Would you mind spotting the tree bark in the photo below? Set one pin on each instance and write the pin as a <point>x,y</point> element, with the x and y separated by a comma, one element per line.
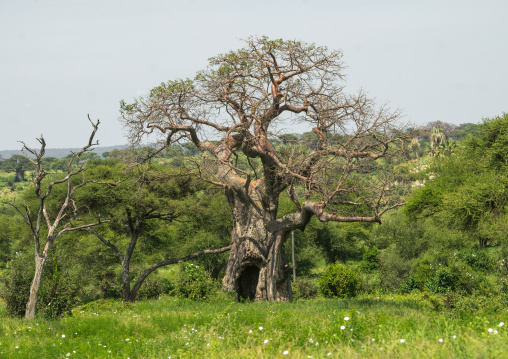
<point>40,261</point>
<point>258,268</point>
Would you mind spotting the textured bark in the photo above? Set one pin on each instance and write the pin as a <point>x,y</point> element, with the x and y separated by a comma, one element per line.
<point>258,268</point>
<point>40,261</point>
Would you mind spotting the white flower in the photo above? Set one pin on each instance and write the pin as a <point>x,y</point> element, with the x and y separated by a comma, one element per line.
<point>63,335</point>
<point>311,340</point>
<point>501,324</point>
<point>402,340</point>
<point>250,331</point>
<point>454,337</point>
<point>495,331</point>
<point>373,339</point>
<point>490,330</point>
<point>68,354</point>
<point>266,341</point>
<point>285,352</point>
<point>127,339</point>
<point>441,340</point>
<point>342,327</point>
<point>346,318</point>
<point>329,354</point>
<point>260,328</point>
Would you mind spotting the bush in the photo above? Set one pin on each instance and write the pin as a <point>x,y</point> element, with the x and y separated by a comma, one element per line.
<point>393,270</point>
<point>477,259</point>
<point>305,288</point>
<point>153,287</point>
<point>443,281</point>
<point>338,281</point>
<point>16,289</point>
<point>57,292</point>
<point>195,283</point>
<point>370,259</point>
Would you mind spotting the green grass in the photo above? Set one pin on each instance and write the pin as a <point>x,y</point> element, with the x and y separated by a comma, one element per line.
<point>177,328</point>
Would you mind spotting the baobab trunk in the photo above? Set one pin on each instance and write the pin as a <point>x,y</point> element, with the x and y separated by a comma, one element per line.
<point>258,268</point>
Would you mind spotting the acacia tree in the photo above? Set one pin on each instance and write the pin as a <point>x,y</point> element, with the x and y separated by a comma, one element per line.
<point>58,220</point>
<point>243,100</point>
<point>132,205</point>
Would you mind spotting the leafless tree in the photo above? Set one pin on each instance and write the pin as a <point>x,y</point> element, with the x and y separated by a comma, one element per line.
<point>67,214</point>
<point>243,100</point>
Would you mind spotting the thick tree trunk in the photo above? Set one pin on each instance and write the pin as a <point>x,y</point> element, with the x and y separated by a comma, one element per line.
<point>126,281</point>
<point>20,175</point>
<point>258,268</point>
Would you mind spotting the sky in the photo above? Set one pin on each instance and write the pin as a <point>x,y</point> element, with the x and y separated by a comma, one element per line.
<point>61,60</point>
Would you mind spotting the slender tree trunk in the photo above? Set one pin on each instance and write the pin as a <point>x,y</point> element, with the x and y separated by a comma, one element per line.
<point>258,268</point>
<point>293,254</point>
<point>40,261</point>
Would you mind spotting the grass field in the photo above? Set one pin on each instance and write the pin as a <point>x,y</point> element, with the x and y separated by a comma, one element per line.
<point>365,327</point>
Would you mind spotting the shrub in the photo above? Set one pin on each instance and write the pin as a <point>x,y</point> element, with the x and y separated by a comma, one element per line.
<point>477,259</point>
<point>393,270</point>
<point>339,281</point>
<point>195,283</point>
<point>57,292</point>
<point>305,288</point>
<point>154,286</point>
<point>370,259</point>
<point>443,281</point>
<point>17,282</point>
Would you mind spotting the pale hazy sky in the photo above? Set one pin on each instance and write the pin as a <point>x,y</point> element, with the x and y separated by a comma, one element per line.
<point>63,59</point>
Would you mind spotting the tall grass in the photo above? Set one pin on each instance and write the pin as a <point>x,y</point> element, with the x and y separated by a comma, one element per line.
<point>365,327</point>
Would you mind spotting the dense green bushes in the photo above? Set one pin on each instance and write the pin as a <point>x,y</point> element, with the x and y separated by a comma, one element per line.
<point>339,281</point>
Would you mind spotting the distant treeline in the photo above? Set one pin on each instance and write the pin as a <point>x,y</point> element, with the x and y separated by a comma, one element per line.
<point>62,152</point>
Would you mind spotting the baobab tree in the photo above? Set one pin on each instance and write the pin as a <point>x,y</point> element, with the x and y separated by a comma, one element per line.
<point>236,109</point>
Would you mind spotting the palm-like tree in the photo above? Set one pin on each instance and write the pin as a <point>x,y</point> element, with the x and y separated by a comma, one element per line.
<point>436,138</point>
<point>446,148</point>
<point>415,147</point>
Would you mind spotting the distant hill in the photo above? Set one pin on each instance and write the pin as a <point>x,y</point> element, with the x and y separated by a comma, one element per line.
<point>62,152</point>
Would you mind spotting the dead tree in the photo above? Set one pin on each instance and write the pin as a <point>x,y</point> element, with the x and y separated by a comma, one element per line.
<point>234,112</point>
<point>65,219</point>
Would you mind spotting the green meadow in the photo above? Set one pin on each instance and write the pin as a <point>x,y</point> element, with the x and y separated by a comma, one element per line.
<point>365,327</point>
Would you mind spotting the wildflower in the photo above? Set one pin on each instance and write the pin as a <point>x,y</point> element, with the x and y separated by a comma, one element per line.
<point>250,331</point>
<point>285,352</point>
<point>329,354</point>
<point>346,318</point>
<point>495,331</point>
<point>311,340</point>
<point>63,335</point>
<point>454,337</point>
<point>501,324</point>
<point>373,339</point>
<point>266,341</point>
<point>441,340</point>
<point>127,339</point>
<point>68,354</point>
<point>490,330</point>
<point>342,327</point>
<point>402,340</point>
<point>260,328</point>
